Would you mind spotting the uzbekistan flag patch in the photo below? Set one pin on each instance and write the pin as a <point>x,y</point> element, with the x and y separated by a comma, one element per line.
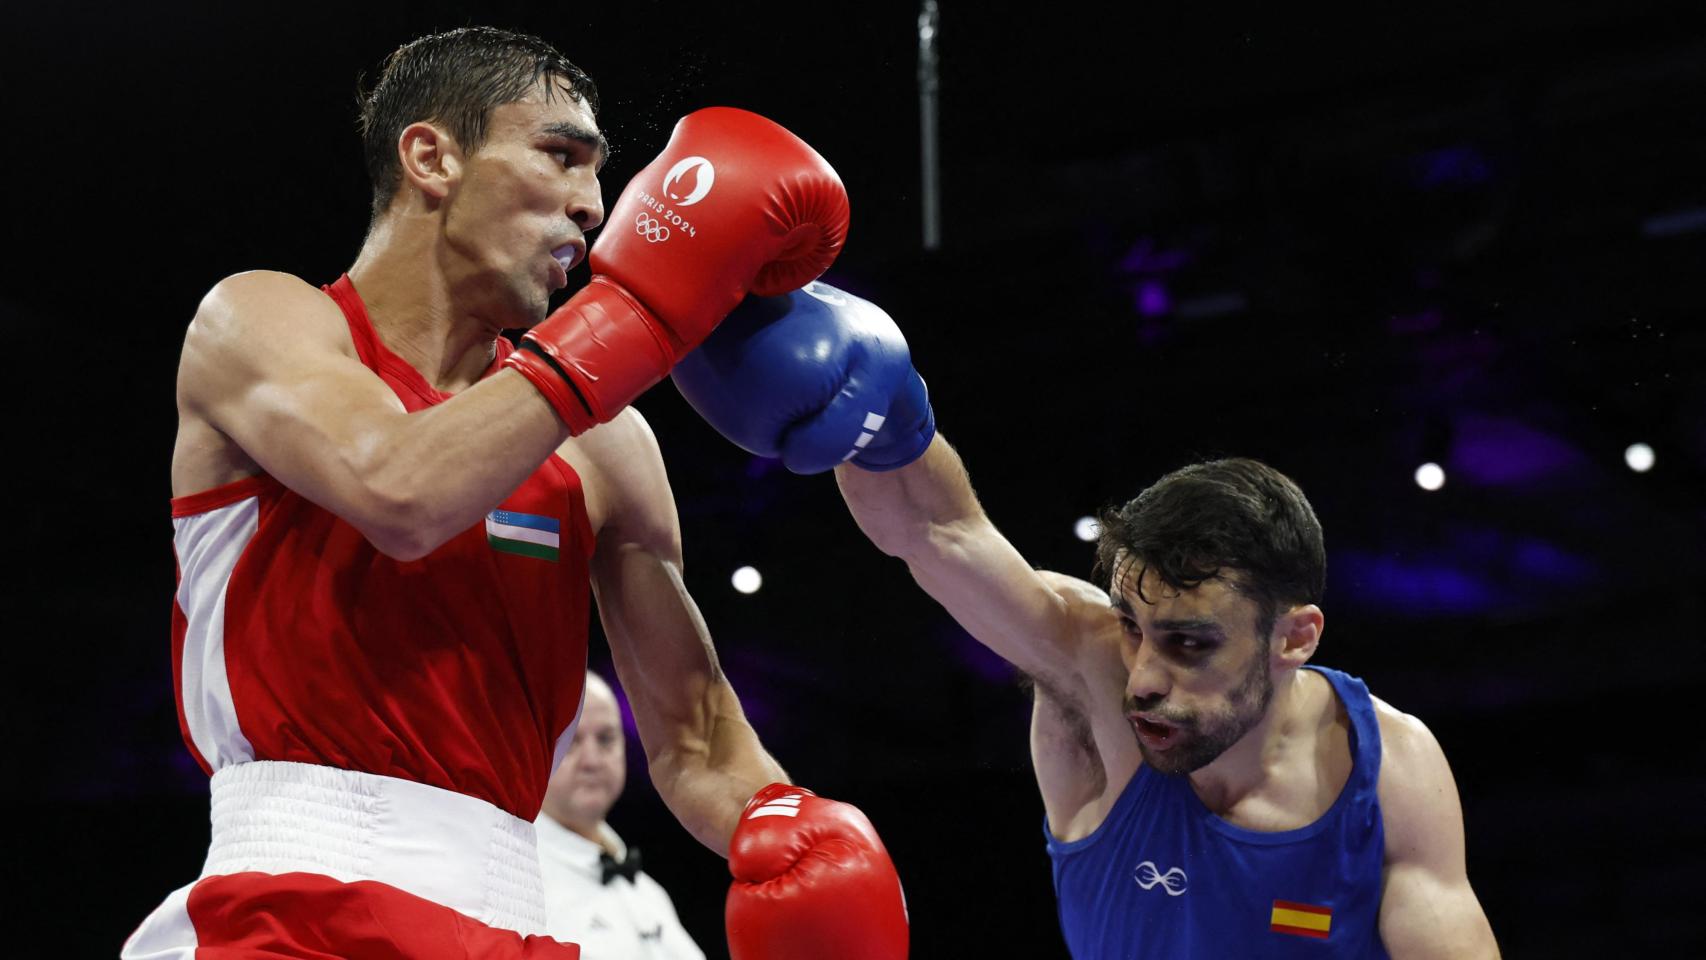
<point>523,534</point>
<point>1301,919</point>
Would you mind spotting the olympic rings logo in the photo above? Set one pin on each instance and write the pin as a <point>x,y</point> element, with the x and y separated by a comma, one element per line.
<point>653,231</point>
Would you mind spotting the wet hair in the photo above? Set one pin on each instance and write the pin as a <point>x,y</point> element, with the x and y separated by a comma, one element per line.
<point>455,79</point>
<point>1236,519</point>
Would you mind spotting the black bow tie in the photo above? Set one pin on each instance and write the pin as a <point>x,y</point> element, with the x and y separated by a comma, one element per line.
<point>611,868</point>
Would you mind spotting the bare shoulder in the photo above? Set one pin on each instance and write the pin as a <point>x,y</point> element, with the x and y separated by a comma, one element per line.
<point>1097,633</point>
<point>1079,594</point>
<point>623,479</point>
<point>251,330</point>
<point>1408,748</point>
<point>261,300</point>
<point>1091,618</point>
<point>250,317</point>
<point>1418,794</point>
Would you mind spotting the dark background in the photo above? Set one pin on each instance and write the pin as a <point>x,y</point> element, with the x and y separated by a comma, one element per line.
<point>1344,246</point>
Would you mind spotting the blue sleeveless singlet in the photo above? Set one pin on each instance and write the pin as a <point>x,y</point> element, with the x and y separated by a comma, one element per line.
<point>1164,877</point>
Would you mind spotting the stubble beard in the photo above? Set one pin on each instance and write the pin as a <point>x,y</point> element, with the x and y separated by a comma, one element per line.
<point>1201,740</point>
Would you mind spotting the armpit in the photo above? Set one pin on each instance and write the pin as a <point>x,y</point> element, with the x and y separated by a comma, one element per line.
<point>1061,735</point>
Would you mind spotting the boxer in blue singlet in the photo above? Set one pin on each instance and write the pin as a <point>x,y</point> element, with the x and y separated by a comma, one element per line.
<point>1207,792</point>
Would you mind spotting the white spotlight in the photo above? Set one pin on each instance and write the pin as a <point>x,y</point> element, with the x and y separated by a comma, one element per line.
<point>1430,476</point>
<point>747,580</point>
<point>1087,529</point>
<point>1639,457</point>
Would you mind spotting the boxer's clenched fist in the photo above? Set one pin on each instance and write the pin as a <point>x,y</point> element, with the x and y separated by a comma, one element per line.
<point>734,204</point>
<point>811,880</point>
<point>816,378</point>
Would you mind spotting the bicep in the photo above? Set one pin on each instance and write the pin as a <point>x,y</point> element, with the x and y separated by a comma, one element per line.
<point>1031,618</point>
<point>927,514</point>
<point>658,639</point>
<point>1426,913</point>
<point>1427,908</point>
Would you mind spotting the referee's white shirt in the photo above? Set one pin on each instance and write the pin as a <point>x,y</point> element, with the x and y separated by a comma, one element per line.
<point>618,920</point>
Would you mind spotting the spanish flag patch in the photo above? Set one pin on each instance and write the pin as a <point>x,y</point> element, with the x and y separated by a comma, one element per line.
<point>1301,919</point>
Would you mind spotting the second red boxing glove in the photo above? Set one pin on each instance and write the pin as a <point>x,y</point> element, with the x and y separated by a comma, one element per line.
<point>812,881</point>
<point>734,204</point>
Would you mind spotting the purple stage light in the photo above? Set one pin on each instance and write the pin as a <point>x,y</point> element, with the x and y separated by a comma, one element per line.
<point>1547,562</point>
<point>629,727</point>
<point>1456,166</point>
<point>1500,452</point>
<point>1151,299</point>
<point>1144,258</point>
<point>974,656</point>
<point>1677,223</point>
<point>1421,586</point>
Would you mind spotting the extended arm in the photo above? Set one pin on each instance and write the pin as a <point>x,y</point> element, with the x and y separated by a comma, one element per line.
<point>810,875</point>
<point>704,757</point>
<point>927,514</point>
<point>822,377</point>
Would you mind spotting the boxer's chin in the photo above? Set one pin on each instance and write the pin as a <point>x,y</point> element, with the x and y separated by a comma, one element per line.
<point>1178,751</point>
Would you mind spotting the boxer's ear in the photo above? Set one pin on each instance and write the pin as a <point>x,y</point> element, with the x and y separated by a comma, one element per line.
<point>430,158</point>
<point>1295,635</point>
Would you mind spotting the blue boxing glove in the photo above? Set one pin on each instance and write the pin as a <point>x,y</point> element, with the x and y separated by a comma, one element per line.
<point>815,377</point>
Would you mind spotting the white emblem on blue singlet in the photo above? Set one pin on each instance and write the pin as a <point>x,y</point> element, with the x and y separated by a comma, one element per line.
<point>1148,877</point>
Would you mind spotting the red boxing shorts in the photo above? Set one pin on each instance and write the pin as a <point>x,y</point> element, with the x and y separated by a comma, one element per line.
<point>314,862</point>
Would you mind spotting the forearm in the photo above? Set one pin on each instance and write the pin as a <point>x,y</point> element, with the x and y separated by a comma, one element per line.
<point>705,759</point>
<point>706,775</point>
<point>901,510</point>
<point>427,476</point>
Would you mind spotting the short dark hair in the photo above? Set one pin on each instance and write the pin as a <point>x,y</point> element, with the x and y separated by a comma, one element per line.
<point>455,78</point>
<point>1220,515</point>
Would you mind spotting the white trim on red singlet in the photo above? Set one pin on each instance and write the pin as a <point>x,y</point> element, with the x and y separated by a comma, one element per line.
<point>208,547</point>
<point>568,735</point>
<point>167,934</point>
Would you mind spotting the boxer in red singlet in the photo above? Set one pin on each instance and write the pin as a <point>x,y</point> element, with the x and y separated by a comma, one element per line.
<point>387,519</point>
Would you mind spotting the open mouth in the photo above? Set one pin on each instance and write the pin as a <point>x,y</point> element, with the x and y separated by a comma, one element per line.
<point>567,256</point>
<point>563,259</point>
<point>1154,734</point>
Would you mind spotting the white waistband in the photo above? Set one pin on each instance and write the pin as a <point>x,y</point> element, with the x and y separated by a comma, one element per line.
<point>460,851</point>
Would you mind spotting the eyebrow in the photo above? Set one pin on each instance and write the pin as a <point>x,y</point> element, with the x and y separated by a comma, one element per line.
<point>579,134</point>
<point>1188,626</point>
<point>1197,625</point>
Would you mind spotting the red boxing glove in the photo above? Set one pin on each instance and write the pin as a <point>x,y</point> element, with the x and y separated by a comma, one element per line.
<point>734,204</point>
<point>811,882</point>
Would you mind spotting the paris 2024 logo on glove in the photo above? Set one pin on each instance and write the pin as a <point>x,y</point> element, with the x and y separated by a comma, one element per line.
<point>696,171</point>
